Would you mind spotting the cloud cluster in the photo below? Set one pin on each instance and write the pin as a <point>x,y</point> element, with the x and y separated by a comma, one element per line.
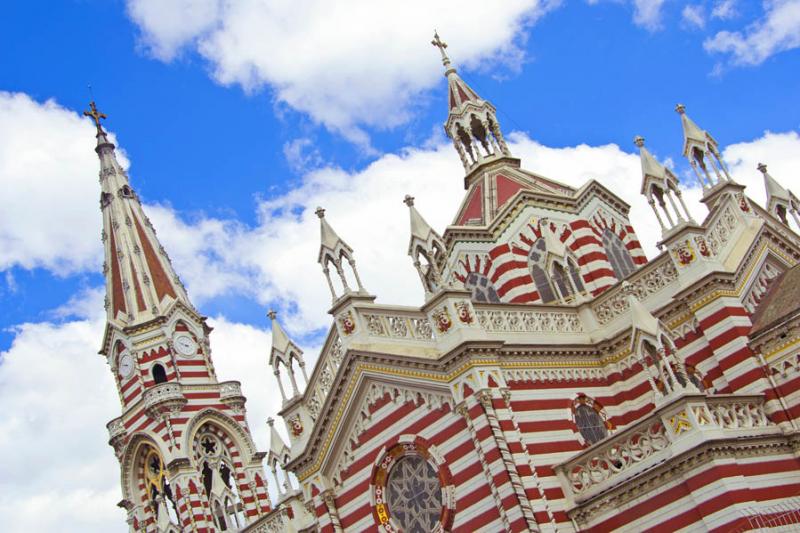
<point>346,64</point>
<point>47,165</point>
<point>777,31</point>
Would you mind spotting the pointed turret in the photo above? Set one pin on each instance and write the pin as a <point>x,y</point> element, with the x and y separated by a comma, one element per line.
<point>472,121</point>
<point>140,281</point>
<point>702,150</point>
<point>660,185</point>
<point>333,250</point>
<point>283,353</point>
<point>780,201</point>
<point>426,248</point>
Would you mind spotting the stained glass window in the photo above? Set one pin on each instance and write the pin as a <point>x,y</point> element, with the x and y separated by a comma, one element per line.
<point>481,288</point>
<point>414,495</point>
<point>618,255</point>
<point>590,423</point>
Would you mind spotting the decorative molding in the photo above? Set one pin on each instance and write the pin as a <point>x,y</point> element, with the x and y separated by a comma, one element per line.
<point>529,321</point>
<point>645,282</point>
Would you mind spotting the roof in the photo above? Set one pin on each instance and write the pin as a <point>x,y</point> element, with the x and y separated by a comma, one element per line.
<point>781,301</point>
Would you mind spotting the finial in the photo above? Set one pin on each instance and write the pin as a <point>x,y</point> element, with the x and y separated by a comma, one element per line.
<point>96,116</point>
<point>680,109</point>
<point>762,167</point>
<point>272,314</point>
<point>441,45</point>
<point>270,421</point>
<point>320,212</point>
<point>409,200</point>
<point>638,141</point>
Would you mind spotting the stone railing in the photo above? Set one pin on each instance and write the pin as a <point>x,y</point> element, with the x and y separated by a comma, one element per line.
<point>397,325</point>
<point>526,321</point>
<point>650,279</point>
<point>673,428</point>
<point>116,428</point>
<point>274,522</point>
<point>230,393</point>
<point>163,397</point>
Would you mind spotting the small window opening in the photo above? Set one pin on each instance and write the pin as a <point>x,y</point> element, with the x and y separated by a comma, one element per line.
<point>159,374</point>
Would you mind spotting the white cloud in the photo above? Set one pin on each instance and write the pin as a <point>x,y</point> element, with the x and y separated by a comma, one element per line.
<point>693,16</point>
<point>724,9</point>
<point>777,31</point>
<point>646,13</point>
<point>47,165</point>
<point>347,64</point>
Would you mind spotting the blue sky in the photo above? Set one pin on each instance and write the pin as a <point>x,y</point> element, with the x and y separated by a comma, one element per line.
<point>238,120</point>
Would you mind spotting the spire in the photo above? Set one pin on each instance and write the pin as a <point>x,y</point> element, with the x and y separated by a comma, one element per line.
<point>780,201</point>
<point>284,352</point>
<point>333,250</point>
<point>660,185</point>
<point>472,122</point>
<point>702,151</point>
<point>426,248</point>
<point>140,281</point>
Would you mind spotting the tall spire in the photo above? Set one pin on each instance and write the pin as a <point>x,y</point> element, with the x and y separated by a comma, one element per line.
<point>660,185</point>
<point>283,353</point>
<point>472,122</point>
<point>426,248</point>
<point>140,281</point>
<point>780,201</point>
<point>702,151</point>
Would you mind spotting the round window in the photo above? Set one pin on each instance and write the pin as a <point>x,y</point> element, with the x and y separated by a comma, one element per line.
<point>414,495</point>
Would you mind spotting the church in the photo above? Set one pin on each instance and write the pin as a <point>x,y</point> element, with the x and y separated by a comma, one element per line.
<point>554,379</point>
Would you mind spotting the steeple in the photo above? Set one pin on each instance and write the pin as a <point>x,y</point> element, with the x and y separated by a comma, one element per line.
<point>660,185</point>
<point>333,250</point>
<point>702,150</point>
<point>426,248</point>
<point>140,281</point>
<point>472,122</point>
<point>779,200</point>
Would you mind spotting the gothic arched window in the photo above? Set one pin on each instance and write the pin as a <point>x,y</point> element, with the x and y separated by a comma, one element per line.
<point>618,255</point>
<point>414,494</point>
<point>561,280</point>
<point>575,274</point>
<point>219,477</point>
<point>159,374</point>
<point>481,287</point>
<point>537,260</point>
<point>590,423</point>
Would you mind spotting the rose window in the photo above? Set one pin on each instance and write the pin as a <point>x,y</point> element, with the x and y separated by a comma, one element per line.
<point>414,495</point>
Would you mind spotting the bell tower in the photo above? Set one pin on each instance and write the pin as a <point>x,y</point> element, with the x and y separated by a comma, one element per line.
<point>187,459</point>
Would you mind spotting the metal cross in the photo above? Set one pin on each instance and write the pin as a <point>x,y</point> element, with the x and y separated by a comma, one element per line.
<point>96,116</point>
<point>437,42</point>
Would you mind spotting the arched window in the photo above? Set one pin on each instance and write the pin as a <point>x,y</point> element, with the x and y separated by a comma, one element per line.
<point>590,423</point>
<point>618,255</point>
<point>575,274</point>
<point>159,374</point>
<point>219,477</point>
<point>481,287</point>
<point>561,281</point>
<point>537,261</point>
<point>159,493</point>
<point>414,494</point>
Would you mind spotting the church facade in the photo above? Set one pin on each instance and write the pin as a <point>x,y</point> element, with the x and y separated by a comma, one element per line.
<point>554,379</point>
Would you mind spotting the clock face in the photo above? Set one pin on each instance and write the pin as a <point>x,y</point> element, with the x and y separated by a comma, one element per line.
<point>125,364</point>
<point>185,344</point>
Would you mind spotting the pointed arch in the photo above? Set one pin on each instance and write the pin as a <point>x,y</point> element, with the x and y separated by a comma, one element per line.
<point>618,254</point>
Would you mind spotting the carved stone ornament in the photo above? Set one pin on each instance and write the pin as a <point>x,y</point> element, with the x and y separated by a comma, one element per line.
<point>442,319</point>
<point>702,246</point>
<point>464,313</point>
<point>347,323</point>
<point>296,426</point>
<point>684,253</point>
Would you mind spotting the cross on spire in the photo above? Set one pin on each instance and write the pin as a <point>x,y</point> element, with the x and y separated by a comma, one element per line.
<point>441,45</point>
<point>96,116</point>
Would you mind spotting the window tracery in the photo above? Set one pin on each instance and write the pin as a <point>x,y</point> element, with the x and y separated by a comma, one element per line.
<point>219,479</point>
<point>590,419</point>
<point>414,494</point>
<point>618,255</point>
<point>481,287</point>
<point>158,493</point>
<point>537,262</point>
